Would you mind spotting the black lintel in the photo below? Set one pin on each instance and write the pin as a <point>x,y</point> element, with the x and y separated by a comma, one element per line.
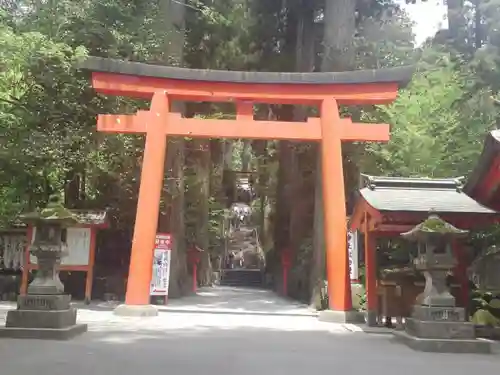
<point>400,75</point>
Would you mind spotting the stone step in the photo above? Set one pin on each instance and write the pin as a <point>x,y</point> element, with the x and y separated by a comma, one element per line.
<point>440,329</point>
<point>479,346</point>
<point>242,277</point>
<point>41,318</point>
<point>242,246</point>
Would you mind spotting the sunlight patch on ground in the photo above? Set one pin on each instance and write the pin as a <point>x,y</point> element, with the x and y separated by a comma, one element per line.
<point>171,321</point>
<point>208,294</point>
<point>223,309</point>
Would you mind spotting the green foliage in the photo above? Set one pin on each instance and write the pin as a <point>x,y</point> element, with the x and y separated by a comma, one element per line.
<point>48,110</point>
<point>31,121</point>
<point>220,35</point>
<point>484,308</point>
<point>436,126</point>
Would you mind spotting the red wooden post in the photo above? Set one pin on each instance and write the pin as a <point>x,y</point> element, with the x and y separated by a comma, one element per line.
<point>194,255</point>
<point>460,273</point>
<point>148,203</point>
<point>195,277</point>
<point>285,281</point>
<point>26,265</point>
<point>90,272</point>
<point>286,262</point>
<point>370,274</point>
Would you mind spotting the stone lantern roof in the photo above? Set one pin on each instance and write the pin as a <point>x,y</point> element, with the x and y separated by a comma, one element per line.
<point>433,226</point>
<point>54,213</point>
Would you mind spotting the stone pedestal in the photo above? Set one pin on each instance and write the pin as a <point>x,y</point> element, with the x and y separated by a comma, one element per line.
<point>42,317</point>
<point>136,310</point>
<point>372,318</point>
<point>46,279</point>
<point>333,316</point>
<point>441,329</point>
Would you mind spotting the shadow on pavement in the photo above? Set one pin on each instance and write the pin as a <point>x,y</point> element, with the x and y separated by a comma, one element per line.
<point>243,351</point>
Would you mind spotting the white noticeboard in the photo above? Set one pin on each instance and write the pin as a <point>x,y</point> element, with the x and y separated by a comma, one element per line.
<point>78,241</point>
<point>352,250</point>
<point>161,265</point>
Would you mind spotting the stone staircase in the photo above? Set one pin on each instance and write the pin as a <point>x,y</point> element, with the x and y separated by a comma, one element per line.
<point>245,259</point>
<point>241,277</point>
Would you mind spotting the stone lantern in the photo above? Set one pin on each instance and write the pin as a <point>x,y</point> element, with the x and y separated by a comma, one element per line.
<point>436,324</point>
<point>435,258</point>
<point>45,311</point>
<point>49,245</point>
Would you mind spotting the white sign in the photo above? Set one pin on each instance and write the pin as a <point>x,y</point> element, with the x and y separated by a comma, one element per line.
<point>78,241</point>
<point>352,250</point>
<point>161,265</point>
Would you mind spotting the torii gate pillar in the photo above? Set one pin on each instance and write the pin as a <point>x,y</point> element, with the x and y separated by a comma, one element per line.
<point>335,231</point>
<point>148,209</point>
<point>165,84</point>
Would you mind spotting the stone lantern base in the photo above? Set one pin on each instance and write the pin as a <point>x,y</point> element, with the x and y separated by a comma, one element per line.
<point>442,330</point>
<point>42,316</point>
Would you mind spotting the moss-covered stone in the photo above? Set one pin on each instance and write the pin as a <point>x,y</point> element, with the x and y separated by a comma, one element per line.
<point>54,212</point>
<point>431,226</point>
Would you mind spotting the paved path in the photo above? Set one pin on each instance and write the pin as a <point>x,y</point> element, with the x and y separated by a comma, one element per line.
<point>225,331</point>
<point>239,301</point>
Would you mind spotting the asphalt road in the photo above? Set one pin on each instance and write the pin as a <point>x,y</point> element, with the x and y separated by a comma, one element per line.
<point>226,331</point>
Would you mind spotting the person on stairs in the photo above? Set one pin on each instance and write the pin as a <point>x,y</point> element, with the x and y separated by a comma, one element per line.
<point>231,259</point>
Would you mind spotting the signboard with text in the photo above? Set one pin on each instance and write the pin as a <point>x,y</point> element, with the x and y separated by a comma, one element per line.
<point>161,265</point>
<point>352,250</point>
<point>78,241</point>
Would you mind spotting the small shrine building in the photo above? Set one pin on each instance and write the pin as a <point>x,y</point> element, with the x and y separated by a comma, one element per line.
<point>15,260</point>
<point>483,184</point>
<point>388,206</point>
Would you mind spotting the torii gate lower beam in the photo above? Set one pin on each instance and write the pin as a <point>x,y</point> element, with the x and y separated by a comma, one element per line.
<point>163,85</point>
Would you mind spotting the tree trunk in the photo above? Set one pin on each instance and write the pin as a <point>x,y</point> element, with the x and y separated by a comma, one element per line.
<point>246,155</point>
<point>317,274</point>
<point>338,38</point>
<point>179,279</point>
<point>72,189</point>
<point>228,154</point>
<point>202,168</point>
<point>478,26</point>
<point>260,148</point>
<point>338,55</point>
<point>300,187</point>
<point>227,171</point>
<point>304,55</point>
<point>283,198</point>
<point>217,240</point>
<point>456,19</point>
<point>171,21</point>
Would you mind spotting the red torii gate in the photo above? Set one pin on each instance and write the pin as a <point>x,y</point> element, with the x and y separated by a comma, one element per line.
<point>163,85</point>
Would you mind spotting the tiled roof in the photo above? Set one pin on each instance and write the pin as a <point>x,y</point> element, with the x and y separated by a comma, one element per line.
<point>400,75</point>
<point>85,217</point>
<point>419,195</point>
<point>491,149</point>
<point>90,217</point>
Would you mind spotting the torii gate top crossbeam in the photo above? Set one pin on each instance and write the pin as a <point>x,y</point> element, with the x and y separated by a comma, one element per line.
<point>123,78</point>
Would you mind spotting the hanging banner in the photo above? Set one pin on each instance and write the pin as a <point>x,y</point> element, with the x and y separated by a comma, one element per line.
<point>352,250</point>
<point>161,265</point>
